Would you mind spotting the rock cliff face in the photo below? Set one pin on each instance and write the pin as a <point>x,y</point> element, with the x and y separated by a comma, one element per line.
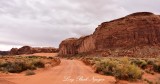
<point>133,30</point>
<point>68,46</point>
<point>31,50</point>
<point>85,44</point>
<point>73,46</point>
<point>125,34</point>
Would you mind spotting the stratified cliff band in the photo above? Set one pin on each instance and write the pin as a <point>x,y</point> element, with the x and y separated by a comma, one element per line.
<point>137,34</point>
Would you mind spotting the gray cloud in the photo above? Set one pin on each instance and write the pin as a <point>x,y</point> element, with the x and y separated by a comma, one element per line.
<point>48,22</point>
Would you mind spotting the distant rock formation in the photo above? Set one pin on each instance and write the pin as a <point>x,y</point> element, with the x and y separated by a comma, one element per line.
<point>4,52</point>
<point>31,50</point>
<point>137,34</point>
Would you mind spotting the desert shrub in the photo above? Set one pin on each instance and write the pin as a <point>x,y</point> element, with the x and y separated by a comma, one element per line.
<point>50,57</point>
<point>88,61</point>
<point>110,67</point>
<point>13,67</point>
<point>121,68</point>
<point>38,64</point>
<point>143,65</point>
<point>98,67</point>
<point>140,63</point>
<point>96,59</point>
<point>30,72</point>
<point>33,57</point>
<point>19,66</point>
<point>128,72</point>
<point>3,64</point>
<point>156,67</point>
<point>30,65</point>
<point>150,62</point>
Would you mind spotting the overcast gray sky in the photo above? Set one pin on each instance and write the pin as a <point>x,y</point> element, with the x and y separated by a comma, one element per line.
<point>48,22</point>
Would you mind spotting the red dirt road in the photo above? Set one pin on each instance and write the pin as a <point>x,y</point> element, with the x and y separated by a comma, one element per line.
<point>68,72</point>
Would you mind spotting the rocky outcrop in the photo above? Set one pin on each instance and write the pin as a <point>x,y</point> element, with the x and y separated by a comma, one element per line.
<point>85,44</point>
<point>68,46</point>
<point>125,34</point>
<point>74,46</point>
<point>31,50</point>
<point>14,51</point>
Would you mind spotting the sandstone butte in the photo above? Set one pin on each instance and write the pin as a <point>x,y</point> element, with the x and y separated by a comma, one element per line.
<point>135,35</point>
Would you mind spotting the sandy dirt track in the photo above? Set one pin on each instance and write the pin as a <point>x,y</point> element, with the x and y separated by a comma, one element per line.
<point>68,72</point>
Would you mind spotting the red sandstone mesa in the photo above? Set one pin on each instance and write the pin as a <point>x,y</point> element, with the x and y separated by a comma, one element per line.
<point>137,34</point>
